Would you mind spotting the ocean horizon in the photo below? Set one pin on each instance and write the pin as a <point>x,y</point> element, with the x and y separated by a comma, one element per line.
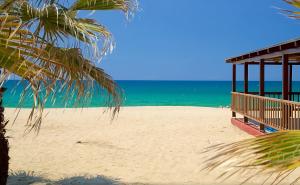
<point>154,93</point>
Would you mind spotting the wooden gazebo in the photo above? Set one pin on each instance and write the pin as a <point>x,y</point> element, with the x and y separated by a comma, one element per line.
<point>278,110</point>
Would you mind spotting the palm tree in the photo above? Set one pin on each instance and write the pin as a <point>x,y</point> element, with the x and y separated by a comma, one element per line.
<point>52,49</point>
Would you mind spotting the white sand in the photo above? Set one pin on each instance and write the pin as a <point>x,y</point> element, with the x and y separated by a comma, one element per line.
<point>147,145</point>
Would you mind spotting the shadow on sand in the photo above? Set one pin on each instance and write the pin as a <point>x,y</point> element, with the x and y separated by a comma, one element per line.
<point>29,178</point>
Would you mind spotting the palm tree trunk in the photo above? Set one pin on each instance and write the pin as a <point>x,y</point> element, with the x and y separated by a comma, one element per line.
<point>4,158</point>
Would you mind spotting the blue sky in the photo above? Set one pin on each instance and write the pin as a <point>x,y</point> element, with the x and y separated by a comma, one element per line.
<point>189,40</point>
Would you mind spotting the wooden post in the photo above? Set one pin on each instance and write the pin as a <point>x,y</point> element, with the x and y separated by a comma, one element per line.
<point>246,86</point>
<point>285,77</point>
<point>233,84</point>
<point>291,97</point>
<point>285,90</point>
<point>290,82</point>
<point>262,93</point>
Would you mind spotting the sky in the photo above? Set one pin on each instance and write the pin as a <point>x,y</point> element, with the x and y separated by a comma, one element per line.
<point>190,40</point>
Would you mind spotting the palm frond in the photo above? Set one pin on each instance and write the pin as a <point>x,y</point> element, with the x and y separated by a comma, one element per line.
<point>292,13</point>
<point>295,3</point>
<point>55,23</point>
<point>276,153</point>
<point>124,5</point>
<point>6,4</point>
<point>50,68</point>
<point>41,41</point>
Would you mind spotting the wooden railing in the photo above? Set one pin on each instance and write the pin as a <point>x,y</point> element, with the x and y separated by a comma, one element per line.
<point>276,113</point>
<point>293,96</point>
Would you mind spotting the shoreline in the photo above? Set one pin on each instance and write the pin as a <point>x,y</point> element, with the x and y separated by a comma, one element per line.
<point>150,106</point>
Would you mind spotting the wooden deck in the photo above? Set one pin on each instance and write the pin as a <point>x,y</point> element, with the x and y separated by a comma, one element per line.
<point>272,112</point>
<point>251,129</point>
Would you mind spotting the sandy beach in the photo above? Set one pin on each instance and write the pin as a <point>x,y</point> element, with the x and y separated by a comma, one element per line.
<point>209,92</point>
<point>143,145</point>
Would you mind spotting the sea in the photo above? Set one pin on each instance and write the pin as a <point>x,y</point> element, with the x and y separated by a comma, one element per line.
<point>153,93</point>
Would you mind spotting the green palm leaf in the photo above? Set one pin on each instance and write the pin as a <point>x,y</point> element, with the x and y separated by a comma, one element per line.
<point>295,3</point>
<point>293,13</point>
<point>30,48</point>
<point>125,5</point>
<point>56,23</point>
<point>277,153</point>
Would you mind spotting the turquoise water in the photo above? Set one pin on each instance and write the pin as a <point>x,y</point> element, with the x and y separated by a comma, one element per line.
<point>158,93</point>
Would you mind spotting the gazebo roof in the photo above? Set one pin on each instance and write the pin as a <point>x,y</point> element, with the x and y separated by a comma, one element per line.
<point>272,54</point>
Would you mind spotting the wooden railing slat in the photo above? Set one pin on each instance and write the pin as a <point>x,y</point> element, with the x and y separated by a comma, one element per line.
<point>277,113</point>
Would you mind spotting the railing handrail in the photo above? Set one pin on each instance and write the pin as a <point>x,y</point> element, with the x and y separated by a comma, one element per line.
<point>267,98</point>
<point>271,92</point>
